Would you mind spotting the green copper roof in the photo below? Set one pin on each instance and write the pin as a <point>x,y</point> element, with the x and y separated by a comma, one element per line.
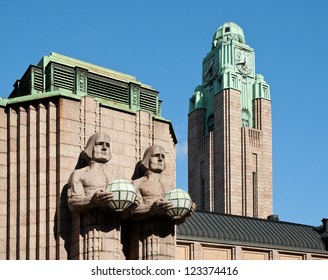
<point>92,68</point>
<point>229,64</point>
<point>226,31</point>
<point>57,74</point>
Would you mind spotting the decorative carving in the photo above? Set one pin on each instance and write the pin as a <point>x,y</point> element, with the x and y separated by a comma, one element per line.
<point>99,224</point>
<point>86,185</point>
<point>81,81</point>
<point>82,124</point>
<point>134,96</point>
<point>154,228</point>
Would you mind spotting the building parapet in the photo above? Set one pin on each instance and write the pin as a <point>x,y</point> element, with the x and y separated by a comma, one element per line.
<point>58,74</point>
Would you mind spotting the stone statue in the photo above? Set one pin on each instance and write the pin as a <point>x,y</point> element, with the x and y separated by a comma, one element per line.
<point>86,185</point>
<point>96,227</point>
<point>153,228</point>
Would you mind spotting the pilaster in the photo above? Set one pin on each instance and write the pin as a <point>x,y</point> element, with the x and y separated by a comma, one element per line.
<point>227,151</point>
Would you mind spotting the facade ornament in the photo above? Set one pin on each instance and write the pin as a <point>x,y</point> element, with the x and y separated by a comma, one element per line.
<point>153,226</point>
<point>89,201</point>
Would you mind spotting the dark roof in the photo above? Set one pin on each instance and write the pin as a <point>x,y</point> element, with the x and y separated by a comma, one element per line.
<point>239,230</point>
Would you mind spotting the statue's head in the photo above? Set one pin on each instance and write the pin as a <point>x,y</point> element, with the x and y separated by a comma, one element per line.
<point>154,159</point>
<point>98,148</point>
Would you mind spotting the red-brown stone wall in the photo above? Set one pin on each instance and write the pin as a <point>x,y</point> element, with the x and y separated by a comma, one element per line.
<point>40,147</point>
<point>227,152</point>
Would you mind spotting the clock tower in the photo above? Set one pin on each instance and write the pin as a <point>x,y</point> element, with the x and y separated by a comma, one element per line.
<point>230,131</point>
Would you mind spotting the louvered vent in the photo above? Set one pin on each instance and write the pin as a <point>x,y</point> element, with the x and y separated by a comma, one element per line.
<point>59,76</point>
<point>25,83</point>
<point>38,80</point>
<point>148,102</point>
<point>108,89</point>
<point>64,78</point>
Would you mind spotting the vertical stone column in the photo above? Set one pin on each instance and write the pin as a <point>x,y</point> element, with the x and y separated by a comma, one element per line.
<point>227,150</point>
<point>30,222</point>
<point>22,184</point>
<point>52,192</point>
<point>195,133</point>
<point>69,127</point>
<point>3,182</point>
<point>263,121</point>
<point>41,191</point>
<point>31,182</point>
<point>251,153</point>
<point>12,186</point>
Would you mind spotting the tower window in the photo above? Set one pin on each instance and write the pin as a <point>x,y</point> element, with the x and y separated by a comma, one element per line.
<point>227,29</point>
<point>245,116</point>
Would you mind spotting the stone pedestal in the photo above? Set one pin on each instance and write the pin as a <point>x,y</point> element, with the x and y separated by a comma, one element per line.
<point>98,238</point>
<point>153,239</point>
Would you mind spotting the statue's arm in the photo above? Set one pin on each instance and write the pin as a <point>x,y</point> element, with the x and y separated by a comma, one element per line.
<point>148,210</point>
<point>149,206</point>
<point>78,201</point>
<point>143,211</point>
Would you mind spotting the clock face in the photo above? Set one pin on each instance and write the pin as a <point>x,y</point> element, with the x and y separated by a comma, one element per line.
<point>244,61</point>
<point>210,68</point>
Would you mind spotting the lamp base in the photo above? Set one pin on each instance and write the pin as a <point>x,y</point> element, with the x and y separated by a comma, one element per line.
<point>176,217</point>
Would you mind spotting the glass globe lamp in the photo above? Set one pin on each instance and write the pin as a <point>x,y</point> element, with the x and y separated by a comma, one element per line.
<point>124,194</point>
<point>181,203</point>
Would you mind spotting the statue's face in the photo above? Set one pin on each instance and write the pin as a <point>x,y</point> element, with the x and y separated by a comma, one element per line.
<point>101,150</point>
<point>157,160</point>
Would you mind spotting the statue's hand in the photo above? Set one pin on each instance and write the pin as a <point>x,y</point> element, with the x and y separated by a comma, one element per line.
<point>102,197</point>
<point>192,210</point>
<point>161,206</point>
<point>135,204</point>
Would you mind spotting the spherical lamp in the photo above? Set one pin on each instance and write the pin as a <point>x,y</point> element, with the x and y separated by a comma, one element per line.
<point>124,194</point>
<point>181,203</point>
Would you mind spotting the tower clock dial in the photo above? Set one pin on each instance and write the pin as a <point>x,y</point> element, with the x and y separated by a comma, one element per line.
<point>244,61</point>
<point>210,69</point>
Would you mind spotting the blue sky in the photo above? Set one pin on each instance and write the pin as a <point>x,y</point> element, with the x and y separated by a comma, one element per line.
<point>163,43</point>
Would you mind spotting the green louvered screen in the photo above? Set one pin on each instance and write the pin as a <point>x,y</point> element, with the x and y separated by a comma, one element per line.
<point>59,77</point>
<point>38,79</point>
<point>108,89</point>
<point>64,77</point>
<point>148,102</point>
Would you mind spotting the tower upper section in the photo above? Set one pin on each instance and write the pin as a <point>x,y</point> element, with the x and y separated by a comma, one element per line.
<point>229,64</point>
<point>226,31</point>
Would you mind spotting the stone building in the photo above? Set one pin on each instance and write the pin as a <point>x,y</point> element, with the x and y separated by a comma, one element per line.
<point>60,102</point>
<point>44,125</point>
<point>230,164</point>
<point>229,131</point>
